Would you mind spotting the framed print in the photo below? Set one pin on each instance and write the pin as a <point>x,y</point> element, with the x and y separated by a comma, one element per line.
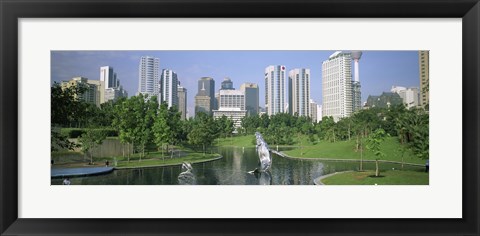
<point>385,52</point>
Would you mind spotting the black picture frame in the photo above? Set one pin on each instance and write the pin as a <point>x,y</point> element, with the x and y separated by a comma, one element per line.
<point>12,10</point>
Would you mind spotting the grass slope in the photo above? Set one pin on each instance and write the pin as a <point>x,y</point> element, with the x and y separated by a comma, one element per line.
<point>346,150</point>
<point>389,177</point>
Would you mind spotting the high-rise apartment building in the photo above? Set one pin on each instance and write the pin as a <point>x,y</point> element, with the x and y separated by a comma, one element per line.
<point>313,110</point>
<point>337,85</point>
<point>149,76</point>
<point>423,63</point>
<point>299,95</point>
<point>251,97</point>
<point>275,92</point>
<point>169,87</point>
<point>182,101</point>
<point>94,93</point>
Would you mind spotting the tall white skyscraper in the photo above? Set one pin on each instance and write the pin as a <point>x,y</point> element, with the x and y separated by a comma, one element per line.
<point>108,77</point>
<point>149,76</point>
<point>275,91</point>
<point>337,85</point>
<point>299,81</point>
<point>169,87</point>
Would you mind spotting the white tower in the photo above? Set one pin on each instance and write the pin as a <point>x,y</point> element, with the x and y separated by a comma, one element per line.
<point>357,94</point>
<point>275,89</point>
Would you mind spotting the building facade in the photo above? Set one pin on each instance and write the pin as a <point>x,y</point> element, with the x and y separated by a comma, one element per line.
<point>251,98</point>
<point>337,86</point>
<point>313,110</point>
<point>299,92</point>
<point>424,65</point>
<point>227,84</point>
<point>231,99</point>
<point>169,87</point>
<point>275,91</point>
<point>182,102</point>
<point>203,100</point>
<point>410,96</point>
<point>108,76</point>
<point>206,87</point>
<point>94,89</point>
<point>149,76</point>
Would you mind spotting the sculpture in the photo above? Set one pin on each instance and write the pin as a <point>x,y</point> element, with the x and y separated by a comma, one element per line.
<point>186,177</point>
<point>263,154</point>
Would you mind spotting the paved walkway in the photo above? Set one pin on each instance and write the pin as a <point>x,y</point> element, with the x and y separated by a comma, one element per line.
<point>77,172</point>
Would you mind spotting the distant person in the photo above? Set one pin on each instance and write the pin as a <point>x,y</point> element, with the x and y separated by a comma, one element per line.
<point>66,181</point>
<point>427,166</point>
<point>52,162</point>
<point>107,163</point>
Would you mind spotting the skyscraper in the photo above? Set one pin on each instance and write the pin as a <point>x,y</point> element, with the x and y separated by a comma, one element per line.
<point>251,97</point>
<point>113,89</point>
<point>299,81</point>
<point>423,63</point>
<point>149,76</point>
<point>313,110</point>
<point>357,94</point>
<point>337,85</point>
<point>169,87</point>
<point>275,89</point>
<point>227,84</point>
<point>203,100</point>
<point>182,101</point>
<point>208,85</point>
<point>108,77</point>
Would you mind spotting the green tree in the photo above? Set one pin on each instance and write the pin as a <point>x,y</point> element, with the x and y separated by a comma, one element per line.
<point>203,131</point>
<point>374,141</point>
<point>64,110</point>
<point>90,139</point>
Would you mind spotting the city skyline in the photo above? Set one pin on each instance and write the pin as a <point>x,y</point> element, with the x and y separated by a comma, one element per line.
<point>380,70</point>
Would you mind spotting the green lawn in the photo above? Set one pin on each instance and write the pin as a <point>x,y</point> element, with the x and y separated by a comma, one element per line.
<point>191,157</point>
<point>389,177</point>
<point>346,150</point>
<point>237,141</point>
<point>155,158</point>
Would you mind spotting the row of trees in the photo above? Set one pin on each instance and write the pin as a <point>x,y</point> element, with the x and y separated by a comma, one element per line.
<point>146,125</point>
<point>139,121</point>
<point>411,126</point>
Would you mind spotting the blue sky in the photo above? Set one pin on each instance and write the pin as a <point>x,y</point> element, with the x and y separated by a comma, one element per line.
<point>379,70</point>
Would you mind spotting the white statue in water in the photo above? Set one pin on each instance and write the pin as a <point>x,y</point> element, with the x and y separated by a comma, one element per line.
<point>263,154</point>
<point>186,177</point>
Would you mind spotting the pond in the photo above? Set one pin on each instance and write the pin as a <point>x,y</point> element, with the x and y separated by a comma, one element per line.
<point>232,169</point>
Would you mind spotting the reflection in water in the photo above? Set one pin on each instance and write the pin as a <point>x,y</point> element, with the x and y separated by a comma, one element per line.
<point>264,178</point>
<point>232,169</point>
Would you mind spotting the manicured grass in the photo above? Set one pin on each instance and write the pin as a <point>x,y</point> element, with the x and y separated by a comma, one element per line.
<point>389,177</point>
<point>237,141</point>
<point>191,157</point>
<point>67,159</point>
<point>346,150</point>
